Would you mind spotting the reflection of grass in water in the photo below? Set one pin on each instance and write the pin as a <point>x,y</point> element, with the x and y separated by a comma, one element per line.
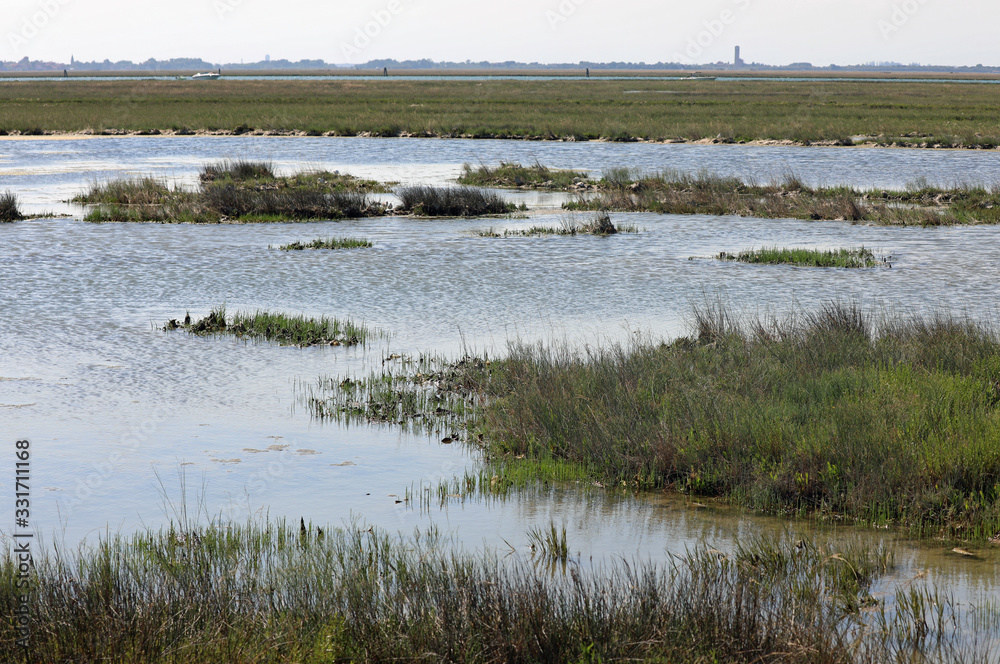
<point>835,413</point>
<point>328,243</point>
<point>282,328</point>
<point>514,175</point>
<point>844,258</point>
<point>276,592</point>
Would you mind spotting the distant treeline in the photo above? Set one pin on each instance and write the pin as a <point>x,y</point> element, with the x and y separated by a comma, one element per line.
<point>181,64</point>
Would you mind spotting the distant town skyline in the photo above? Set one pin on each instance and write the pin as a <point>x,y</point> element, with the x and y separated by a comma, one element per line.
<point>774,32</point>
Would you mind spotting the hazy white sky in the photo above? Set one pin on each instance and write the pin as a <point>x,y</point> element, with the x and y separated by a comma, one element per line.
<point>950,32</point>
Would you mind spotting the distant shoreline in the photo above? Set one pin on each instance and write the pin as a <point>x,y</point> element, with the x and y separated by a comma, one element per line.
<point>511,73</point>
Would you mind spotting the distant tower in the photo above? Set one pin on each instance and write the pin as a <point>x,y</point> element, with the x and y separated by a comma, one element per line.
<point>267,58</point>
<point>738,61</point>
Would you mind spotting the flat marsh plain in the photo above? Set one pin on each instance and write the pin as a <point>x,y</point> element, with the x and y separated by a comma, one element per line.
<point>901,112</point>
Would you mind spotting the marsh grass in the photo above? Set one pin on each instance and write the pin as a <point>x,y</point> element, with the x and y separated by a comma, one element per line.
<point>674,192</point>
<point>837,413</point>
<point>10,209</point>
<point>234,191</point>
<point>329,243</point>
<point>513,175</point>
<point>840,258</point>
<point>277,327</point>
<point>277,593</point>
<point>428,201</point>
<point>599,224</point>
<point>237,169</point>
<point>901,113</point>
<point>128,191</point>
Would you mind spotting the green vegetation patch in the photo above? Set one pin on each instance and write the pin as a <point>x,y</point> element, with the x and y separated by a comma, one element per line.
<point>281,328</point>
<point>674,192</point>
<point>845,258</point>
<point>234,191</point>
<point>425,201</point>
<point>280,593</point>
<point>513,175</point>
<point>329,243</point>
<point>835,413</point>
<point>10,208</point>
<point>599,224</point>
<point>898,113</point>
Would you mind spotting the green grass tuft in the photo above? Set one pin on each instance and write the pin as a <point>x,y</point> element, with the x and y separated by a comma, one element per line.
<point>843,258</point>
<point>281,328</point>
<point>10,209</point>
<point>427,201</point>
<point>328,243</point>
<point>513,175</point>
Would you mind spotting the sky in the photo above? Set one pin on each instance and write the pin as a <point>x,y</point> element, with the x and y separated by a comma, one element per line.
<point>777,32</point>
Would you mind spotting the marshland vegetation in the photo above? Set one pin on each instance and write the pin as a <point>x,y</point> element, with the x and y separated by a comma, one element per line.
<point>899,113</point>
<point>674,192</point>
<point>599,224</point>
<point>10,208</point>
<point>282,328</point>
<point>426,201</point>
<point>514,175</point>
<point>328,243</point>
<point>273,592</point>
<point>843,258</point>
<point>234,191</point>
<point>838,413</point>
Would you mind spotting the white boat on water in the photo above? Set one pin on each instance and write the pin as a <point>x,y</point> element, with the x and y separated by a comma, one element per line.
<point>206,75</point>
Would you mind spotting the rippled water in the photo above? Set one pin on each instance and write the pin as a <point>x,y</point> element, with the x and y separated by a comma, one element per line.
<point>116,408</point>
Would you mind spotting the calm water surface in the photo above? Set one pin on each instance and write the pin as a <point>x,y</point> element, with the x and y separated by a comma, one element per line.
<point>121,414</point>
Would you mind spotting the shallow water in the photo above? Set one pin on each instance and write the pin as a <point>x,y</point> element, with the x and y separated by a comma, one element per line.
<point>117,409</point>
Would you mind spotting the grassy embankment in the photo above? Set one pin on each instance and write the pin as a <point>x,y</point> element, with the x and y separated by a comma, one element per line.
<point>10,209</point>
<point>281,328</point>
<point>902,113</point>
<point>835,414</point>
<point>240,191</point>
<point>329,243</point>
<point>842,258</point>
<point>270,593</point>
